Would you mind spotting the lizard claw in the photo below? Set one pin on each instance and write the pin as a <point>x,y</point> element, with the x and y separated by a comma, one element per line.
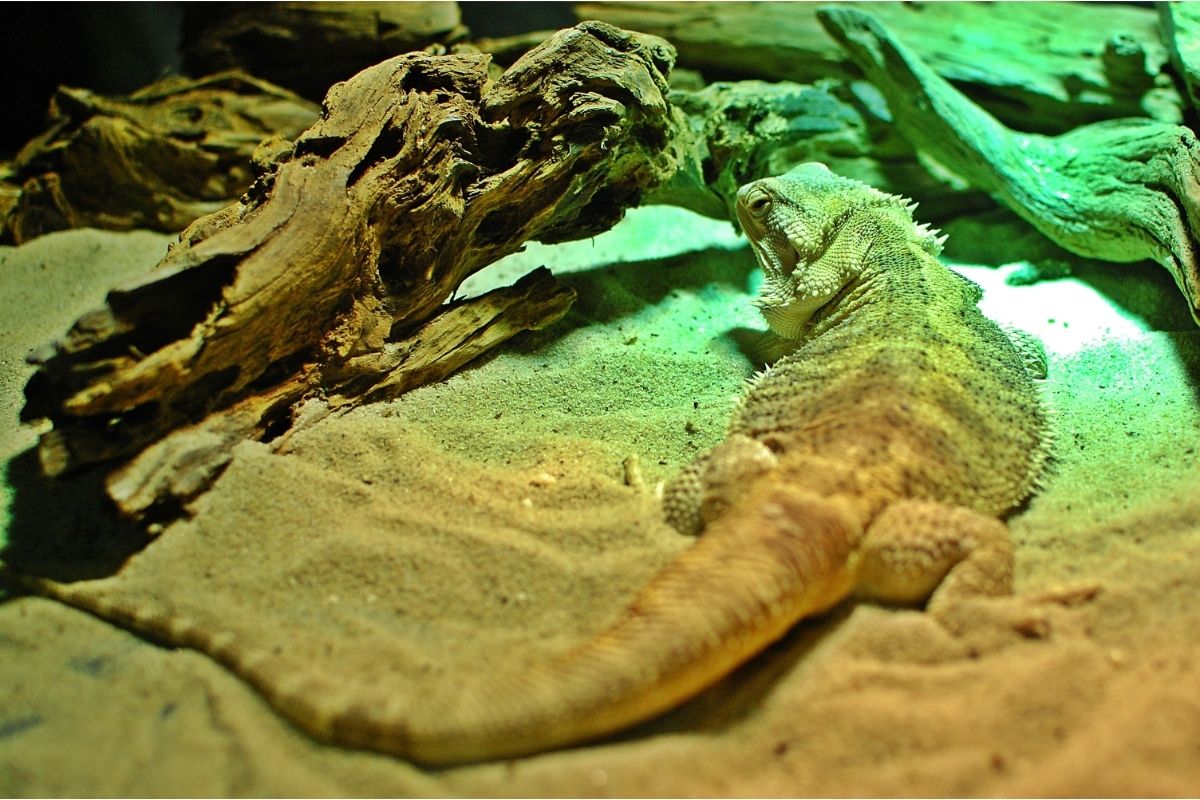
<point>1069,596</point>
<point>988,623</point>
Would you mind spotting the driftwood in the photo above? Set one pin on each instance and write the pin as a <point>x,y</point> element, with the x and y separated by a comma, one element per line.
<point>159,158</point>
<point>1122,190</point>
<point>308,47</point>
<point>505,50</point>
<point>324,279</point>
<point>745,130</point>
<point>1045,67</point>
<point>10,195</point>
<point>185,462</point>
<point>1181,30</point>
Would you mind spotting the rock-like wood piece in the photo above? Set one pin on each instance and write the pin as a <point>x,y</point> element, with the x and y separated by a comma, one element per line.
<point>1181,32</point>
<point>742,131</point>
<point>1121,190</point>
<point>185,462</point>
<point>324,278</point>
<point>308,47</point>
<point>419,173</point>
<point>1046,67</point>
<point>171,152</point>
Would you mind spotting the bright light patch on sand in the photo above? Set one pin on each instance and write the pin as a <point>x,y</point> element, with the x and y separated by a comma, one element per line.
<point>1066,314</point>
<point>645,234</point>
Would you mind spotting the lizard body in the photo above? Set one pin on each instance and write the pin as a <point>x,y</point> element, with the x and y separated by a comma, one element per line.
<point>872,460</point>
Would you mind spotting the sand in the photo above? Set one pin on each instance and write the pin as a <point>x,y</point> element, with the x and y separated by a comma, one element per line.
<point>486,522</point>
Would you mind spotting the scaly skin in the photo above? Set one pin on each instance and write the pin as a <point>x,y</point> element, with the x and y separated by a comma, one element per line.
<point>872,460</point>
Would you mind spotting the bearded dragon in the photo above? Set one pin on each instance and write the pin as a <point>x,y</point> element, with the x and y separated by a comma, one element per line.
<point>873,461</point>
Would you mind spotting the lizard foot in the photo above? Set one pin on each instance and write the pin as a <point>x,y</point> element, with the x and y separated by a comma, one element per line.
<point>986,624</point>
<point>963,562</point>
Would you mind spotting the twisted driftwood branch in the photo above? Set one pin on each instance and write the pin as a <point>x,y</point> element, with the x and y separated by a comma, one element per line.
<point>1041,66</point>
<point>419,173</point>
<point>1120,190</point>
<point>184,463</point>
<point>741,131</point>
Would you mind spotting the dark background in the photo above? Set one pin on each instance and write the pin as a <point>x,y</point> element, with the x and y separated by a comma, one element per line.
<point>115,48</point>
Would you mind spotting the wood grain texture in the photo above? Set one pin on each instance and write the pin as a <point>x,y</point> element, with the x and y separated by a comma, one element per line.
<point>1181,31</point>
<point>1119,190</point>
<point>1037,66</point>
<point>159,158</point>
<point>277,41</point>
<point>419,173</point>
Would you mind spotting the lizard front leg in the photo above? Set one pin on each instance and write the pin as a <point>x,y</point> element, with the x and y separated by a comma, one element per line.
<point>706,488</point>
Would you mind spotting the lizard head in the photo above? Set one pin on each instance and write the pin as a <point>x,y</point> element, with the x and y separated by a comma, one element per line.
<point>793,223</point>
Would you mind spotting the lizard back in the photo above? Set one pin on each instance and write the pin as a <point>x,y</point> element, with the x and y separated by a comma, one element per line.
<point>921,390</point>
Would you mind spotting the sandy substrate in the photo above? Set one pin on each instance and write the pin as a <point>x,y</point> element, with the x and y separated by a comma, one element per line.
<point>483,523</point>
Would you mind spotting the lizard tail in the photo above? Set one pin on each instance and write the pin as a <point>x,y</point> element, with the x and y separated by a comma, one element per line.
<point>782,555</point>
<point>779,556</point>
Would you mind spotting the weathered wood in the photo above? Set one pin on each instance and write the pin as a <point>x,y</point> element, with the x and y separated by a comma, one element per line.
<point>745,130</point>
<point>419,173</point>
<point>308,47</point>
<point>1121,190</point>
<point>1181,33</point>
<point>10,195</point>
<point>159,158</point>
<point>505,50</point>
<point>453,338</point>
<point>1044,67</point>
<point>182,464</point>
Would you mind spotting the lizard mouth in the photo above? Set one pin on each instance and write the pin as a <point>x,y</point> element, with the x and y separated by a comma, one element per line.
<point>780,265</point>
<point>784,255</point>
<point>785,312</point>
<point>777,262</point>
<point>788,298</point>
<point>777,256</point>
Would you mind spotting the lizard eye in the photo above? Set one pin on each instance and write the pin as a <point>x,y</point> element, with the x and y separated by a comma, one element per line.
<point>759,205</point>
